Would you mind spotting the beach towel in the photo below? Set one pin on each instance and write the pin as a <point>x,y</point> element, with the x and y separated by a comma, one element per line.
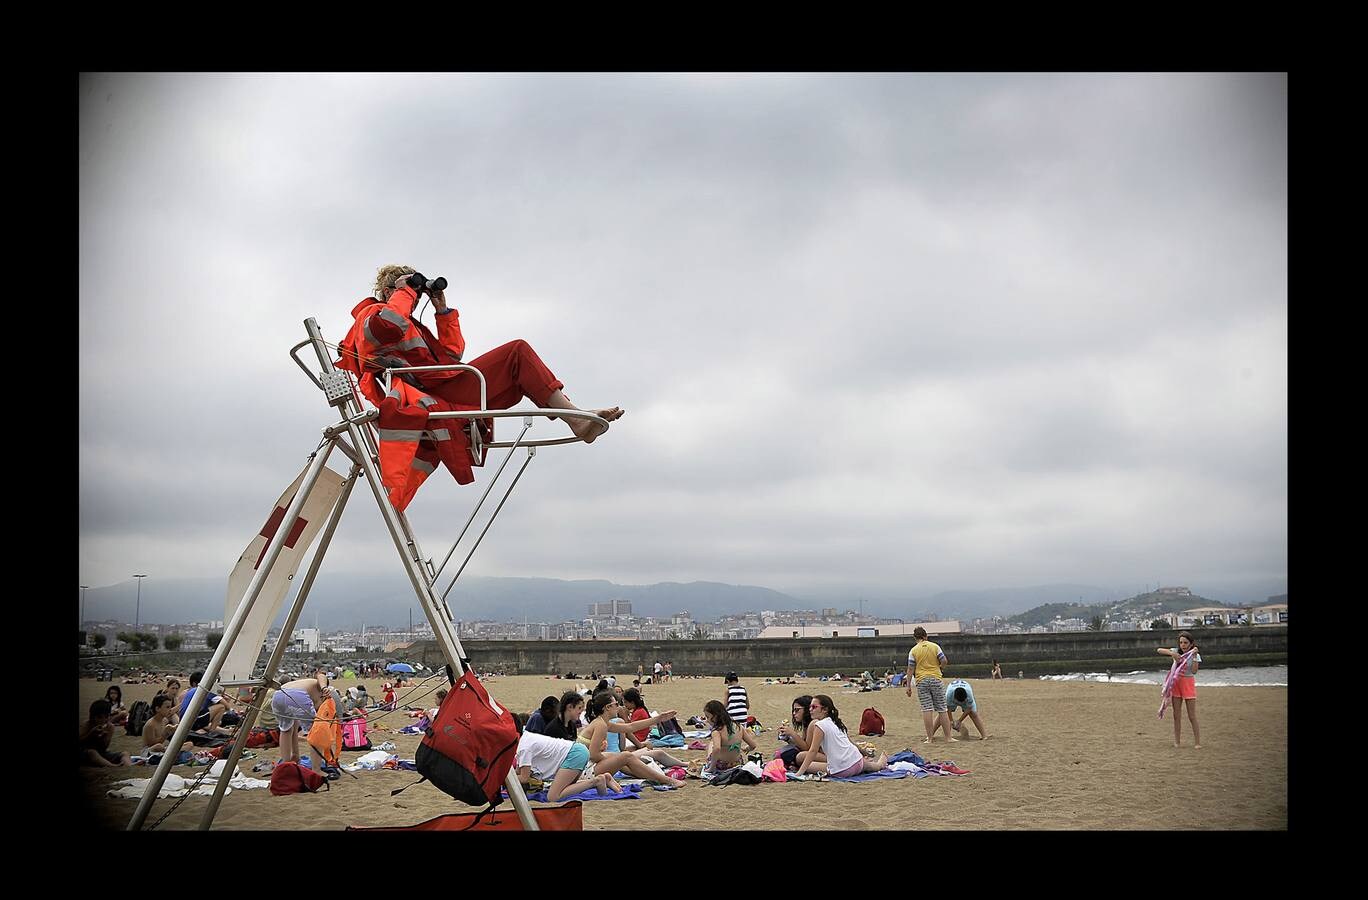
<point>176,786</point>
<point>870,776</point>
<point>669,740</point>
<point>906,756</point>
<point>1175,670</point>
<point>173,786</point>
<point>628,792</point>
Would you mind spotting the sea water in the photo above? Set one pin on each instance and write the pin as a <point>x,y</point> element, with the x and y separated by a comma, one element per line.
<point>1238,676</point>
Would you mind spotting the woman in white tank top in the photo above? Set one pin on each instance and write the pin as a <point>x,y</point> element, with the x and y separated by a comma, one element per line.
<point>829,747</point>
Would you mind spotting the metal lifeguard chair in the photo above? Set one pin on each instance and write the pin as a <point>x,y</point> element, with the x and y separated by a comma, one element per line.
<point>356,437</point>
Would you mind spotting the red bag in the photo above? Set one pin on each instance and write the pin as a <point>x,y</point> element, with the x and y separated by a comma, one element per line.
<point>263,737</point>
<point>469,748</point>
<point>871,722</point>
<point>568,817</point>
<point>289,777</point>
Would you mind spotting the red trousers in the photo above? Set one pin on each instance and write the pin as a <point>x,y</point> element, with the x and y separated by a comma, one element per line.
<point>511,372</point>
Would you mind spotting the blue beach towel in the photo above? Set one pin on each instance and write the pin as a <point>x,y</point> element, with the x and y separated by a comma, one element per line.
<point>907,756</point>
<point>870,776</point>
<point>628,792</point>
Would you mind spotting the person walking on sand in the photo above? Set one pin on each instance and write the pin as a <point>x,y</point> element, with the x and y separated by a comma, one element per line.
<point>924,662</point>
<point>1183,687</point>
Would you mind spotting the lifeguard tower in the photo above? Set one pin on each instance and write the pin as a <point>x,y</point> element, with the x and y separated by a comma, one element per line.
<point>315,502</point>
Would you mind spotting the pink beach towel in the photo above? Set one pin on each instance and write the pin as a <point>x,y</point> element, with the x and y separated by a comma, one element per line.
<point>1175,670</point>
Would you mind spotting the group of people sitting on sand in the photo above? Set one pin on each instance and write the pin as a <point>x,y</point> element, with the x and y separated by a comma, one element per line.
<point>575,743</point>
<point>214,723</point>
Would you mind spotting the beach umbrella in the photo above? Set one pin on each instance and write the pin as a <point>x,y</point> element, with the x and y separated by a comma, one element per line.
<point>400,667</point>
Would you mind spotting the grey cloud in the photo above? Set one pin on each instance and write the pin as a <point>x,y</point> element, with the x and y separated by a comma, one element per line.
<point>940,293</point>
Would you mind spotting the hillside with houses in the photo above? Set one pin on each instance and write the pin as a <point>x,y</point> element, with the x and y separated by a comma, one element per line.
<point>1178,607</point>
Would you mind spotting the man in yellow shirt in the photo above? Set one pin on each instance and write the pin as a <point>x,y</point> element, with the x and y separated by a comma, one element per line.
<point>924,663</point>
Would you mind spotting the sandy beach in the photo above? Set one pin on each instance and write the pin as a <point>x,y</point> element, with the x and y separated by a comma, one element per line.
<point>1061,755</point>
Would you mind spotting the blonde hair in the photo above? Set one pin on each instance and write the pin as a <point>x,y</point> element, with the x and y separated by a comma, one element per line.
<point>386,277</point>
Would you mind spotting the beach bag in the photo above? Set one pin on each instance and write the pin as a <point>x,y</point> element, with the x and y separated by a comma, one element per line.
<point>871,722</point>
<point>774,771</point>
<point>354,735</point>
<point>325,737</point>
<point>263,737</point>
<point>469,748</point>
<point>138,714</point>
<point>289,777</point>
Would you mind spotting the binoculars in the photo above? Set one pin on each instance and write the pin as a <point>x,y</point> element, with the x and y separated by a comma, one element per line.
<point>418,281</point>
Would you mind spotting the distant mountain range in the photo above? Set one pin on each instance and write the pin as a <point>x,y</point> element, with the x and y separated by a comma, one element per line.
<point>349,601</point>
<point>1147,604</point>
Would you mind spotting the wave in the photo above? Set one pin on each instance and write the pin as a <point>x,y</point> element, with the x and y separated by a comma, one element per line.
<point>1240,676</point>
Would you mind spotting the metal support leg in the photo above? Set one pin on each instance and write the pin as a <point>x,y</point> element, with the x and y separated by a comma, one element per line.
<point>531,452</point>
<point>446,637</point>
<point>527,423</point>
<point>230,635</point>
<point>419,575</point>
<point>273,662</point>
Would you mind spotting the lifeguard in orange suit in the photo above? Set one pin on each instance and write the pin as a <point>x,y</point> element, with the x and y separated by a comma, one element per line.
<point>385,334</point>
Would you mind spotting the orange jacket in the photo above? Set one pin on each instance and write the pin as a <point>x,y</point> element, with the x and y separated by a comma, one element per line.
<point>385,335</point>
<point>326,734</point>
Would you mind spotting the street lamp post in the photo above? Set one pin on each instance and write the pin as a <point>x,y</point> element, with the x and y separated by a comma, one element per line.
<point>84,588</point>
<point>137,610</point>
<point>902,627</point>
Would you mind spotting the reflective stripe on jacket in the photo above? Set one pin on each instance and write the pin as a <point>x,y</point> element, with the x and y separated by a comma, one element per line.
<point>385,335</point>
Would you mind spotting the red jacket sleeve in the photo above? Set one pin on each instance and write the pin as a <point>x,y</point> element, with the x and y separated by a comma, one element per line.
<point>449,332</point>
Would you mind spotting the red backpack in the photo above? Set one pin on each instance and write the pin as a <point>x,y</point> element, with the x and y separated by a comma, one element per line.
<point>468,749</point>
<point>871,722</point>
<point>289,777</point>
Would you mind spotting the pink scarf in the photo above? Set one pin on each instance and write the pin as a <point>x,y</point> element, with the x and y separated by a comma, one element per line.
<point>1175,670</point>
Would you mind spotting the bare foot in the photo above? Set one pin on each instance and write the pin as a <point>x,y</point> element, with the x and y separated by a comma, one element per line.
<point>1196,746</point>
<point>589,431</point>
<point>1176,745</point>
<point>952,740</point>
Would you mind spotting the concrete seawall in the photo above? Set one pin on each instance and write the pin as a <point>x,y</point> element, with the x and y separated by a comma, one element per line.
<point>1035,654</point>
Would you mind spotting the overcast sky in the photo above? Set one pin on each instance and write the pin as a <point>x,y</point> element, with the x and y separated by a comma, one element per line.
<point>892,334</point>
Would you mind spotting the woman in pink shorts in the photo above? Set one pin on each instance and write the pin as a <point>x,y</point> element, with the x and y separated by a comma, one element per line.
<point>829,747</point>
<point>1185,689</point>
